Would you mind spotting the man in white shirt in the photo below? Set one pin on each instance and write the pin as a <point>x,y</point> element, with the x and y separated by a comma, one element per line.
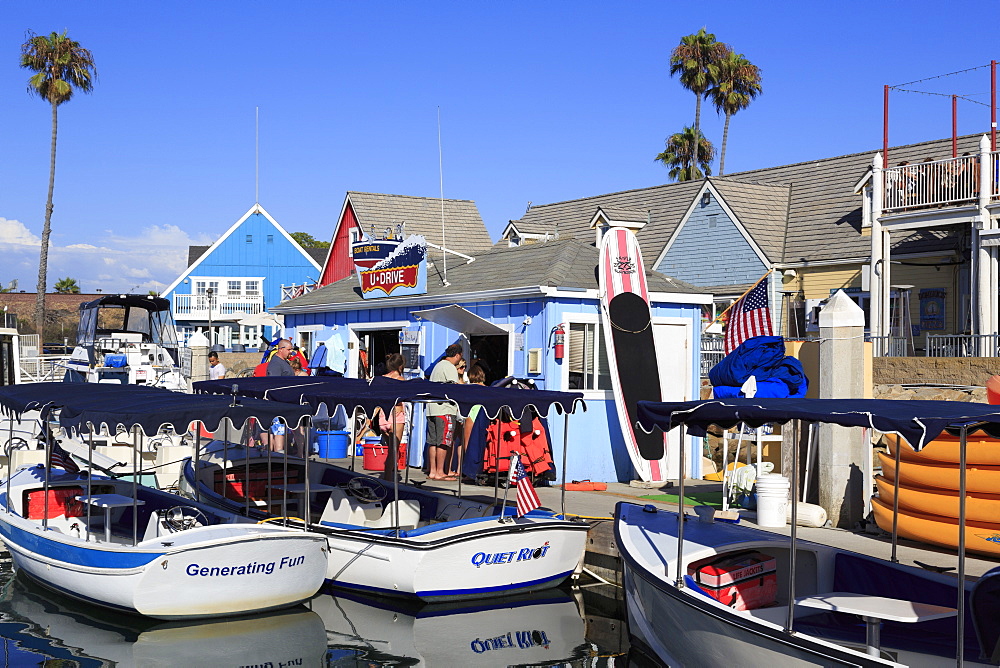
<point>216,371</point>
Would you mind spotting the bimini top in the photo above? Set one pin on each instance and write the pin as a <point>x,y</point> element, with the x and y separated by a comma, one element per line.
<point>919,422</point>
<point>141,301</point>
<point>150,408</point>
<point>384,393</point>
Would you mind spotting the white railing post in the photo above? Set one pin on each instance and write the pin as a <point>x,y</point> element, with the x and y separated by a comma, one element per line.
<point>874,271</point>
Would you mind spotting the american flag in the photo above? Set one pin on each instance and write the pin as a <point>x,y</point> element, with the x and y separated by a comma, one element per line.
<point>527,498</point>
<point>748,317</point>
<point>59,457</point>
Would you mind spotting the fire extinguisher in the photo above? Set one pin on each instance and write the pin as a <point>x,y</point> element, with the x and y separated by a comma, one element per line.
<point>559,341</point>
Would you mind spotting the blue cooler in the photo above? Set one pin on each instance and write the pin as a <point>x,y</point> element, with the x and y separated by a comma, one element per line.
<point>332,444</point>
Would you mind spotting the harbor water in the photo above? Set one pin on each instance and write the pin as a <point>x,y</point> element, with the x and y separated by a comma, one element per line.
<point>559,627</point>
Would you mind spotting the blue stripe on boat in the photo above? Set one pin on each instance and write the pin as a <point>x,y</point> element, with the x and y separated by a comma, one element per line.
<point>72,554</point>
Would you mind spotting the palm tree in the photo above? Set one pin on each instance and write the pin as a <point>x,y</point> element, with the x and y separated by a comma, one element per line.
<point>681,152</point>
<point>67,286</point>
<point>736,85</point>
<point>695,60</point>
<point>61,67</point>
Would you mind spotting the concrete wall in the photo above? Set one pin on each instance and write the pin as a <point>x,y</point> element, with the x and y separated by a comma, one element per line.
<point>937,370</point>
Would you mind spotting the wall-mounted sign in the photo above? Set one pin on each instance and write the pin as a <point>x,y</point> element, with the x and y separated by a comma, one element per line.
<point>391,265</point>
<point>932,302</point>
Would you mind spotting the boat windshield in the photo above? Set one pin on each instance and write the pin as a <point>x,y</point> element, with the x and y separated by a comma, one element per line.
<point>145,316</point>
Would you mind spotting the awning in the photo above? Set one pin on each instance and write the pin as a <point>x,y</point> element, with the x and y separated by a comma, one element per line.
<point>461,320</point>
<point>264,319</point>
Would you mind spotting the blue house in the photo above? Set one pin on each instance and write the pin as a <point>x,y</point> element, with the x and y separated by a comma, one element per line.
<point>228,286</point>
<point>503,307</point>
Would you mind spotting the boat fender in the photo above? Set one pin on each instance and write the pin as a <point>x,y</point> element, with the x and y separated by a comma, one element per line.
<point>810,515</point>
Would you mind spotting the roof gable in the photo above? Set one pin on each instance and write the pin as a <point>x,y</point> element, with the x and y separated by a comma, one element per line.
<point>255,221</point>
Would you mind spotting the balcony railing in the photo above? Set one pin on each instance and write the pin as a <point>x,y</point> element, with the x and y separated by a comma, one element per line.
<point>952,182</point>
<point>295,290</point>
<point>962,345</point>
<point>222,307</point>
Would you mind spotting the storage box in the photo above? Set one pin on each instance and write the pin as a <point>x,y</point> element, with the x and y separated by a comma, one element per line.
<point>742,580</point>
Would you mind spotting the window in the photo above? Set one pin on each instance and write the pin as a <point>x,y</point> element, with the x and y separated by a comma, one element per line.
<point>234,288</point>
<point>199,287</point>
<point>249,238</point>
<point>270,238</point>
<point>588,360</point>
<point>713,220</point>
<point>252,288</point>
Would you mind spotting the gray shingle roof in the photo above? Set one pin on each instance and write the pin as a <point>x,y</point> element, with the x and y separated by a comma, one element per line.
<point>567,263</point>
<point>464,228</point>
<point>625,215</point>
<point>805,211</point>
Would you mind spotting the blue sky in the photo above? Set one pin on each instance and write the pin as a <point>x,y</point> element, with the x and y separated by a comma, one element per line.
<point>540,101</point>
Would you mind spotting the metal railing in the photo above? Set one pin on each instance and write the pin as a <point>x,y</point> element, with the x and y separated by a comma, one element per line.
<point>889,346</point>
<point>961,345</point>
<point>711,353</point>
<point>954,181</point>
<point>221,306</point>
<point>38,368</point>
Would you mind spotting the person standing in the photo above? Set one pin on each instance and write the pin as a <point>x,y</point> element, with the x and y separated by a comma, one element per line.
<point>278,364</point>
<point>442,417</point>
<point>216,371</point>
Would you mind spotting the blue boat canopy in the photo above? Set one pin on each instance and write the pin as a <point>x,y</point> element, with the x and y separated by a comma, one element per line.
<point>150,408</point>
<point>384,393</point>
<point>919,422</point>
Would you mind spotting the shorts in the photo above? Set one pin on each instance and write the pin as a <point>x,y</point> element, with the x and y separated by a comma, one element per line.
<point>441,430</point>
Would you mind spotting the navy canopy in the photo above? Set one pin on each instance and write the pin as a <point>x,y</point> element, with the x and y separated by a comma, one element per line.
<point>150,408</point>
<point>919,422</point>
<point>384,393</point>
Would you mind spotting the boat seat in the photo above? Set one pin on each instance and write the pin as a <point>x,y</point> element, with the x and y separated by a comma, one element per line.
<point>342,508</point>
<point>409,515</point>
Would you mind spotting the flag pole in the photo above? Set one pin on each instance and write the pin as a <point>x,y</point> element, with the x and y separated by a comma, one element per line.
<point>736,301</point>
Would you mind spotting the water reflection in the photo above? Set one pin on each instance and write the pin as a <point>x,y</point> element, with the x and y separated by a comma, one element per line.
<point>43,628</point>
<point>539,629</point>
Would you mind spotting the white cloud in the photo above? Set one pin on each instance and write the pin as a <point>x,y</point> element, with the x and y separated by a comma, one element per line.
<point>14,232</point>
<point>150,260</point>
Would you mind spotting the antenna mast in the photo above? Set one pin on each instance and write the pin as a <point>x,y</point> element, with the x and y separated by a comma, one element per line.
<point>256,169</point>
<point>444,246</point>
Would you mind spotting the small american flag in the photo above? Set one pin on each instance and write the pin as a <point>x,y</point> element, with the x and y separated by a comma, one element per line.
<point>527,498</point>
<point>59,457</point>
<point>748,317</point>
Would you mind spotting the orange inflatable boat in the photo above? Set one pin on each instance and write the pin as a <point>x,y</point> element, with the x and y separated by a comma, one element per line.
<point>942,502</point>
<point>980,449</point>
<point>982,479</point>
<point>980,537</point>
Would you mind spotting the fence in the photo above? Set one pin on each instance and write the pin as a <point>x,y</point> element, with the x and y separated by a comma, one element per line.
<point>889,346</point>
<point>38,368</point>
<point>961,345</point>
<point>711,353</point>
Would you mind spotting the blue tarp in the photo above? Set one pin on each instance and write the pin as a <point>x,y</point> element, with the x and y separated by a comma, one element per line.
<point>778,376</point>
<point>919,422</point>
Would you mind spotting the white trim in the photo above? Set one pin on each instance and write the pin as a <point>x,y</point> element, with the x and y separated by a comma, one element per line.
<point>732,218</point>
<point>352,338</point>
<point>567,318</point>
<point>256,208</point>
<point>655,298</point>
<point>336,230</point>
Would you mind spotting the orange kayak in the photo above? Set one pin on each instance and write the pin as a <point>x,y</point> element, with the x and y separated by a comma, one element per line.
<point>942,502</point>
<point>982,479</point>
<point>980,449</point>
<point>980,537</point>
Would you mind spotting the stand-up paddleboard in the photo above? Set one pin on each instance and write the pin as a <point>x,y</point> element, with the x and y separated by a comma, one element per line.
<point>628,333</point>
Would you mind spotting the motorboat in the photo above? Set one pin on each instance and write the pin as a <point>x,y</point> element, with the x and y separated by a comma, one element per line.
<point>386,536</point>
<point>122,545</point>
<point>127,339</point>
<point>708,593</point>
<point>543,628</point>
<point>53,626</point>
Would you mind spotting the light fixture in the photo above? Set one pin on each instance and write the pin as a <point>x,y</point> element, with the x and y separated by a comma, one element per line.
<point>788,273</point>
<point>706,197</point>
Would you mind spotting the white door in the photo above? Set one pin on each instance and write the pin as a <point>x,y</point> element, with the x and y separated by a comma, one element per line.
<point>673,358</point>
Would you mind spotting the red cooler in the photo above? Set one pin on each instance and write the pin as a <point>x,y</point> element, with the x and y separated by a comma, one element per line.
<point>741,580</point>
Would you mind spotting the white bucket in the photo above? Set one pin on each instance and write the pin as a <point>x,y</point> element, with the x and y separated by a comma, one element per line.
<point>772,500</point>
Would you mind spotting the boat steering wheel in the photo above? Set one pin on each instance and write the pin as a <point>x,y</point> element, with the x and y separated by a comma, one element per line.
<point>16,443</point>
<point>365,491</point>
<point>181,518</point>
